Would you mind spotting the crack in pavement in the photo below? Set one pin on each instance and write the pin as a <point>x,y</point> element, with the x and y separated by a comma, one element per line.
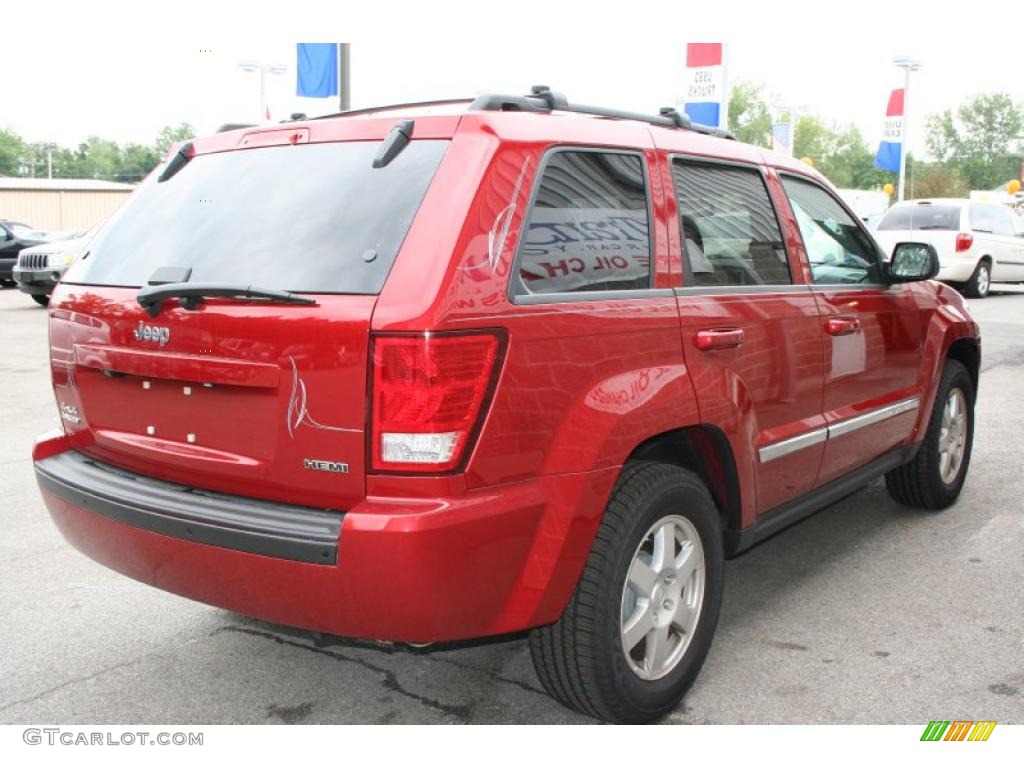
<point>488,673</point>
<point>460,712</point>
<point>76,680</point>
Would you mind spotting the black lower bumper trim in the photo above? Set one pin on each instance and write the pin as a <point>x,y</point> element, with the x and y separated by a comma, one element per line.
<point>267,528</point>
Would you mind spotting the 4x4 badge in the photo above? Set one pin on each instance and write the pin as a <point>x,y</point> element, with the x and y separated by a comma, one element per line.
<point>152,333</point>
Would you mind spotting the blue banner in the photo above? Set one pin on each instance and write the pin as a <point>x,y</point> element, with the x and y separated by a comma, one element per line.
<point>888,157</point>
<point>317,70</point>
<point>703,112</point>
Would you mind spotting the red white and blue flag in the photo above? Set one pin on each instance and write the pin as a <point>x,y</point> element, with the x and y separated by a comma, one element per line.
<point>705,101</point>
<point>888,157</point>
<point>782,137</point>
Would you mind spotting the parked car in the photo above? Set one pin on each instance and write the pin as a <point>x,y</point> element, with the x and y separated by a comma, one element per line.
<point>40,267</point>
<point>978,243</point>
<point>13,237</point>
<point>523,366</point>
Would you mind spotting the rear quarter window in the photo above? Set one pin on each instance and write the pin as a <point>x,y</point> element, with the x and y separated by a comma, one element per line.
<point>588,227</point>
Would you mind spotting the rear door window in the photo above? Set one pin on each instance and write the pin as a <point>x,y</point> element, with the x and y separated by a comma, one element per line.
<point>729,231</point>
<point>589,227</point>
<point>315,218</point>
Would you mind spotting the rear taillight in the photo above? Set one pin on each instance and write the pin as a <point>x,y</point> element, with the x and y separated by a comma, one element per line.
<point>429,395</point>
<point>964,240</point>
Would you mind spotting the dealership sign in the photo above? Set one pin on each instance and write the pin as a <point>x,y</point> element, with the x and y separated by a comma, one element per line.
<point>705,93</point>
<point>889,149</point>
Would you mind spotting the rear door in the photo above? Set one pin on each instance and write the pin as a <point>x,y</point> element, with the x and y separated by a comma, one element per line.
<point>750,330</point>
<point>245,397</point>
<point>873,332</point>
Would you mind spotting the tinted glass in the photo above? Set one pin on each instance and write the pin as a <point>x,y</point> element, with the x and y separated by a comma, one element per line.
<point>314,217</point>
<point>839,251</point>
<point>729,230</point>
<point>588,228</point>
<point>907,217</point>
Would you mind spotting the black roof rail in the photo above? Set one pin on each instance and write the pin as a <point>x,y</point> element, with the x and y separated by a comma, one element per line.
<point>234,126</point>
<point>543,99</point>
<point>386,107</point>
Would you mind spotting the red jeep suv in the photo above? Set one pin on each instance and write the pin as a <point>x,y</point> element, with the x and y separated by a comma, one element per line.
<point>434,372</point>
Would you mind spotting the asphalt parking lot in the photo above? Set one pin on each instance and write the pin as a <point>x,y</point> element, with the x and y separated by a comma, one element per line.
<point>866,613</point>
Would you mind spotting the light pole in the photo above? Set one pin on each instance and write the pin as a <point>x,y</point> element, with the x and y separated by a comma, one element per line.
<point>263,69</point>
<point>908,65</point>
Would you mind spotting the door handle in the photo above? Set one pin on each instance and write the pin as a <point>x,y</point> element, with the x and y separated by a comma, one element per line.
<point>719,339</point>
<point>842,326</point>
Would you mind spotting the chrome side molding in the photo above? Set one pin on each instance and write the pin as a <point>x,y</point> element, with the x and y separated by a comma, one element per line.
<point>821,434</point>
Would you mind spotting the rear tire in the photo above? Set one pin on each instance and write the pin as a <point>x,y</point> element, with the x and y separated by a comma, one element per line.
<point>934,478</point>
<point>630,583</point>
<point>981,281</point>
<point>41,299</point>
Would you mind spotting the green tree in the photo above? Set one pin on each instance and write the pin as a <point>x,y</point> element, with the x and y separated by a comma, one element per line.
<point>170,134</point>
<point>98,158</point>
<point>137,160</point>
<point>938,180</point>
<point>12,152</point>
<point>981,141</point>
<point>749,117</point>
<point>838,152</point>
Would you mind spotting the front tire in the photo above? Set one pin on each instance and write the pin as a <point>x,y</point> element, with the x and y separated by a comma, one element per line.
<point>934,479</point>
<point>41,299</point>
<point>636,631</point>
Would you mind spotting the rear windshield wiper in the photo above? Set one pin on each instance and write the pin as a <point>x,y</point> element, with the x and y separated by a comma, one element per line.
<point>152,297</point>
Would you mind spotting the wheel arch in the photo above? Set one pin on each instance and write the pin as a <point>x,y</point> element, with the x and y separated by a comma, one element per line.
<point>966,351</point>
<point>704,450</point>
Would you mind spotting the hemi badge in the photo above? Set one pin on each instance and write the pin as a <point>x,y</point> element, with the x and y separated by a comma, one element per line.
<point>325,466</point>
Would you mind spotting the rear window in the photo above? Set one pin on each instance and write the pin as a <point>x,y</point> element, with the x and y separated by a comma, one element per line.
<point>315,218</point>
<point>921,217</point>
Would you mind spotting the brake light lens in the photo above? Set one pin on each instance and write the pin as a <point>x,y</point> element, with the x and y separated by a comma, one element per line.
<point>429,394</point>
<point>964,240</point>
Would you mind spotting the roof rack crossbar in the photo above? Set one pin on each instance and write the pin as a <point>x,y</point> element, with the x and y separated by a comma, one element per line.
<point>543,99</point>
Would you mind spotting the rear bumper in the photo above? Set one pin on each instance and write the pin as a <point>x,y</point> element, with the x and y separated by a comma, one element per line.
<point>489,562</point>
<point>37,281</point>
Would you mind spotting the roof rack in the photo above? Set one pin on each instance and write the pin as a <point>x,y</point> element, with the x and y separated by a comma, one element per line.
<point>543,99</point>
<point>388,107</point>
<point>234,126</point>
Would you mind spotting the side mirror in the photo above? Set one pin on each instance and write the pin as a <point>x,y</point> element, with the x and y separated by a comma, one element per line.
<point>912,262</point>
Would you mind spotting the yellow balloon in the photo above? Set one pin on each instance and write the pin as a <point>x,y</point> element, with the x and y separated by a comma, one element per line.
<point>889,189</point>
<point>1013,187</point>
<point>807,161</point>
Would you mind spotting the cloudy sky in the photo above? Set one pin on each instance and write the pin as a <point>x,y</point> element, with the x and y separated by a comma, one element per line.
<point>123,70</point>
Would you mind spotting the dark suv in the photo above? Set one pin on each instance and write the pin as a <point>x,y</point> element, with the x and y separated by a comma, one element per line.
<point>14,236</point>
<point>520,365</point>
